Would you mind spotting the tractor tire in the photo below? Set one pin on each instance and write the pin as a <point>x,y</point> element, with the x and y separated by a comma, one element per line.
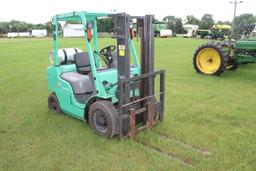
<point>103,118</point>
<point>210,59</point>
<point>53,103</point>
<point>232,65</point>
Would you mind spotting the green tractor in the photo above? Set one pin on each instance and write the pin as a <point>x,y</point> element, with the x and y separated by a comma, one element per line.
<point>220,31</point>
<point>213,58</point>
<point>158,26</point>
<point>217,32</point>
<point>108,88</point>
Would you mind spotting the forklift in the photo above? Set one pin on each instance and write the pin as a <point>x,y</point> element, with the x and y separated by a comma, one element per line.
<point>116,97</point>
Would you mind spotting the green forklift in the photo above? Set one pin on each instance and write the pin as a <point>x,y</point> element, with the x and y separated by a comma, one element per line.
<point>114,90</point>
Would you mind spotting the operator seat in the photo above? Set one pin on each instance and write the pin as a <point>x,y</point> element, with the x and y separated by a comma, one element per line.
<point>82,62</point>
<point>80,81</point>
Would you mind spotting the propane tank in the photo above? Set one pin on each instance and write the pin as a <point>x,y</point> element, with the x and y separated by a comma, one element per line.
<point>64,55</point>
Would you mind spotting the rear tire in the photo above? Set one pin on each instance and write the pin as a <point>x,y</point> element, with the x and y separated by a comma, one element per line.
<point>103,118</point>
<point>210,59</point>
<point>232,65</point>
<point>53,103</point>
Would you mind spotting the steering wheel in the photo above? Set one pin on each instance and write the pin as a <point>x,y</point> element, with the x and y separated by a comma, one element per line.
<point>106,51</point>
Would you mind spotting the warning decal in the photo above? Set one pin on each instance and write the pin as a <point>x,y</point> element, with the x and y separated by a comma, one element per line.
<point>121,50</point>
<point>121,53</point>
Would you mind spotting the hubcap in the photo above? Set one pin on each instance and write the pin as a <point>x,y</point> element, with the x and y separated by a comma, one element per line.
<point>208,60</point>
<point>100,121</point>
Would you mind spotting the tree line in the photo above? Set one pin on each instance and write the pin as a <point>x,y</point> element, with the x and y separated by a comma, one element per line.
<point>207,21</point>
<point>106,25</point>
<point>21,26</point>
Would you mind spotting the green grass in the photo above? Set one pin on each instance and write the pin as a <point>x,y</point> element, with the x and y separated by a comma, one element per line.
<point>217,113</point>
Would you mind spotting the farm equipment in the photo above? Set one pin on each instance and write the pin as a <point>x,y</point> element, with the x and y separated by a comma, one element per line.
<point>191,30</point>
<point>217,31</point>
<point>213,58</point>
<point>220,31</point>
<point>161,30</point>
<point>248,30</point>
<point>203,33</point>
<point>119,99</point>
<point>158,26</point>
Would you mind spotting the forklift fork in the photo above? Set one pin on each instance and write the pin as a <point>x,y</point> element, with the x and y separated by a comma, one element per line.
<point>149,107</point>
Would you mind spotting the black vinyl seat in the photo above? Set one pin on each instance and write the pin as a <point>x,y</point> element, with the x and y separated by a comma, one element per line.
<point>82,62</point>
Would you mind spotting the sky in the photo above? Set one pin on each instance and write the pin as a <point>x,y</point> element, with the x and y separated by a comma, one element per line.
<point>41,11</point>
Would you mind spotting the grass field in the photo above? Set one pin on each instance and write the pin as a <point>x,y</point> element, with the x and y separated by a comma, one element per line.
<point>201,112</point>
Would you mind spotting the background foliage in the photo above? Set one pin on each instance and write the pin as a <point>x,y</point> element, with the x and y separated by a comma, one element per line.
<point>106,25</point>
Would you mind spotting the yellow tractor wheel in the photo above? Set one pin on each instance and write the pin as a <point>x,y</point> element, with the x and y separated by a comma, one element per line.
<point>210,59</point>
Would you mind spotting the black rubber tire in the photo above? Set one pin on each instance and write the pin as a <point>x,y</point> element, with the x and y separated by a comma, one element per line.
<point>232,65</point>
<point>219,49</point>
<point>225,46</point>
<point>110,116</point>
<point>53,103</point>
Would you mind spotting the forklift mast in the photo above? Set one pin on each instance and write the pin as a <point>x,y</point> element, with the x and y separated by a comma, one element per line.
<point>143,108</point>
<point>147,54</point>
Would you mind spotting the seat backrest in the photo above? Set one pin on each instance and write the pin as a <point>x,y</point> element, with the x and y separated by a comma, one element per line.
<point>82,59</point>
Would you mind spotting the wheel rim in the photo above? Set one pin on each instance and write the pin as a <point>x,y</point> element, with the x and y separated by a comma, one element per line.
<point>100,121</point>
<point>208,60</point>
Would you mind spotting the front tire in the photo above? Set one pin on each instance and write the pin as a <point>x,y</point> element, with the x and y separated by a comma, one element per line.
<point>103,118</point>
<point>210,59</point>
